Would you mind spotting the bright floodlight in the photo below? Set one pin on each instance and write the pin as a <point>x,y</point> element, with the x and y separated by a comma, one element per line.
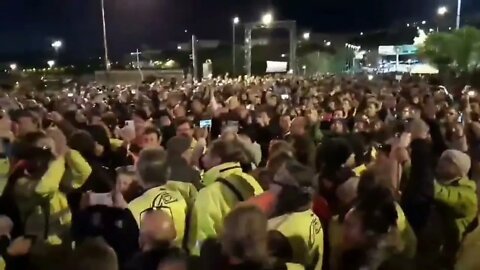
<point>13,66</point>
<point>424,22</point>
<point>328,43</point>
<point>361,33</point>
<point>442,10</point>
<point>179,47</point>
<point>57,44</point>
<point>51,63</point>
<point>306,35</point>
<point>267,18</point>
<point>236,20</point>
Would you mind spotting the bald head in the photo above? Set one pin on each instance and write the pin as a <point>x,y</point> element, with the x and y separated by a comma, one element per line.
<point>156,228</point>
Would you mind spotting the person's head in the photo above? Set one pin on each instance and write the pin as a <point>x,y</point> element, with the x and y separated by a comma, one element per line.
<point>125,178</point>
<point>338,126</point>
<point>83,142</point>
<point>338,114</point>
<point>451,115</point>
<point>299,126</point>
<point>244,237</point>
<point>179,111</point>
<point>102,141</point>
<point>151,166</point>
<point>157,230</point>
<point>140,118</point>
<point>279,146</point>
<point>370,220</point>
<point>285,121</point>
<point>294,182</point>
<point>40,140</point>
<point>93,254</point>
<point>277,160</point>
<point>27,122</point>
<point>151,138</point>
<point>175,260</point>
<point>197,106</point>
<point>360,126</point>
<point>183,127</point>
<point>371,110</point>
<point>180,147</point>
<point>222,152</point>
<point>452,165</point>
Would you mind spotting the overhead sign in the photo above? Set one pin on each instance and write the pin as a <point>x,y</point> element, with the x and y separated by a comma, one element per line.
<point>400,50</point>
<point>276,66</point>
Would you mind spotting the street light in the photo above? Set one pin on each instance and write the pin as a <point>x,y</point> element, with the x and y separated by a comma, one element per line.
<point>267,18</point>
<point>424,22</point>
<point>328,43</point>
<point>51,63</point>
<point>13,66</point>
<point>179,47</point>
<point>442,10</point>
<point>361,33</point>
<point>235,22</point>
<point>306,35</point>
<point>56,45</point>
<point>105,45</point>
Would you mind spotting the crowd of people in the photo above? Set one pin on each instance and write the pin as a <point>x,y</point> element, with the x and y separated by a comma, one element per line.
<point>258,173</point>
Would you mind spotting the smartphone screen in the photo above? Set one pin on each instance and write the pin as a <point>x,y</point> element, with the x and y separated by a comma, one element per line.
<point>206,123</point>
<point>101,199</point>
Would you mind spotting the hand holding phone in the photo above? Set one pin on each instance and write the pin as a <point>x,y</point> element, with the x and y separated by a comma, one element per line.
<point>206,123</point>
<point>100,199</point>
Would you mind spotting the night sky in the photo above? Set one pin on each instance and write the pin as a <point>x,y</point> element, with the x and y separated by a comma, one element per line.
<point>29,26</point>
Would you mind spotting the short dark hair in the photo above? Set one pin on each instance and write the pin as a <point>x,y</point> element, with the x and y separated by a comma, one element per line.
<point>94,254</point>
<point>152,167</point>
<point>141,113</point>
<point>182,120</point>
<point>153,130</point>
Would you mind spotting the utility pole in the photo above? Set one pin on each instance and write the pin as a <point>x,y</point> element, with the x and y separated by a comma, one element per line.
<point>105,45</point>
<point>194,57</point>
<point>459,13</point>
<point>137,53</point>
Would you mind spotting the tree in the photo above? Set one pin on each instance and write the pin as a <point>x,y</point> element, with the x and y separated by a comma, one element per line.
<point>457,52</point>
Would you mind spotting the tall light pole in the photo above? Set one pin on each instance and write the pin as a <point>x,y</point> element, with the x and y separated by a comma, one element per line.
<point>235,21</point>
<point>459,13</point>
<point>441,12</point>
<point>137,54</point>
<point>306,35</point>
<point>105,46</point>
<point>267,18</point>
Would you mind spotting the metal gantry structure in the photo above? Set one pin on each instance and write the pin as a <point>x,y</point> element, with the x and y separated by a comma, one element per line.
<point>291,26</point>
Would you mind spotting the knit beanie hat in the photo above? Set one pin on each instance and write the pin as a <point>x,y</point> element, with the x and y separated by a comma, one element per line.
<point>460,159</point>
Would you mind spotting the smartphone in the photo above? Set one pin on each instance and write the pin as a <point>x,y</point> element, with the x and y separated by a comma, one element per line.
<point>70,94</point>
<point>129,124</point>
<point>100,199</point>
<point>206,123</point>
<point>460,118</point>
<point>285,96</point>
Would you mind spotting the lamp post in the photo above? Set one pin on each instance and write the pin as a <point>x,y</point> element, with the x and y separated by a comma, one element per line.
<point>267,18</point>
<point>235,22</point>
<point>306,35</point>
<point>105,46</point>
<point>459,13</point>
<point>441,12</point>
<point>137,54</point>
<point>50,63</point>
